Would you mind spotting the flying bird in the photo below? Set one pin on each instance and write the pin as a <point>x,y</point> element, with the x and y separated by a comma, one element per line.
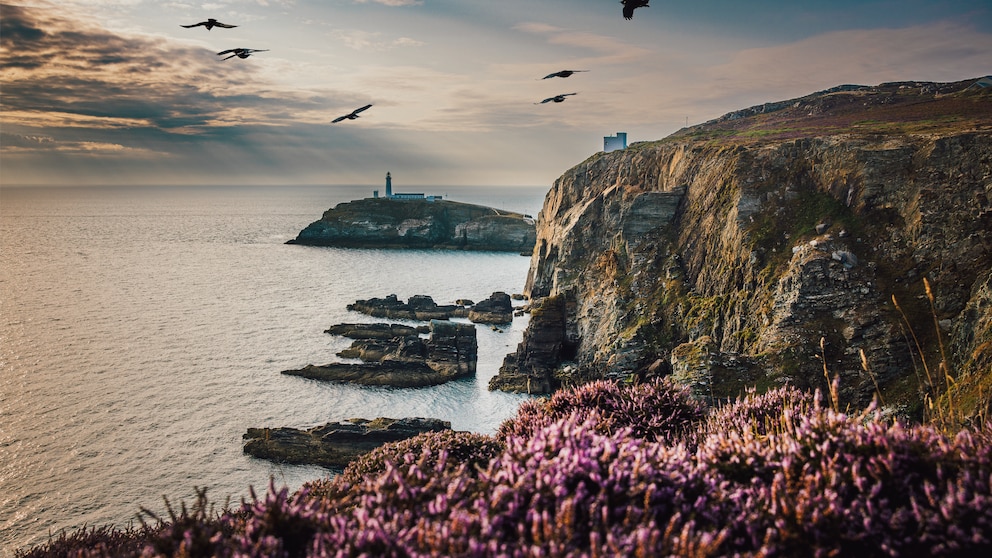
<point>555,99</point>
<point>351,115</point>
<point>630,5</point>
<point>240,52</point>
<point>210,24</point>
<point>563,73</point>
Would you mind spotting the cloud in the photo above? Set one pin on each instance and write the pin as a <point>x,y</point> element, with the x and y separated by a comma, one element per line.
<point>392,2</point>
<point>65,75</point>
<point>606,49</point>
<point>372,40</point>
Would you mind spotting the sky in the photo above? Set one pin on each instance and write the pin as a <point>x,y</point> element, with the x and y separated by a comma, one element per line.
<point>116,92</point>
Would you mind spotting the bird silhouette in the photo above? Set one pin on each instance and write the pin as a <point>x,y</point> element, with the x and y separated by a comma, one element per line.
<point>240,52</point>
<point>210,24</point>
<point>630,5</point>
<point>351,115</point>
<point>555,99</point>
<point>563,73</point>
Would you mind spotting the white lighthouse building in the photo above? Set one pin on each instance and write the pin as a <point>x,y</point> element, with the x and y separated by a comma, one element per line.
<point>402,196</point>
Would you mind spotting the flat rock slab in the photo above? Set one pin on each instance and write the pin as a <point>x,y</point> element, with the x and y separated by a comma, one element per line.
<point>335,444</point>
<point>375,331</point>
<point>401,374</point>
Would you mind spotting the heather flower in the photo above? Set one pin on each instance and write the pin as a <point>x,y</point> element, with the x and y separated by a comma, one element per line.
<point>659,410</point>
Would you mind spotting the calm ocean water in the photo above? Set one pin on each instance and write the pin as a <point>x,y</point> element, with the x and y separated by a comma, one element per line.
<point>142,331</point>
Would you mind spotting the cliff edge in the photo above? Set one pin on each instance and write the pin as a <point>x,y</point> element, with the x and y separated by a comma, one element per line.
<point>726,252</point>
<point>420,223</point>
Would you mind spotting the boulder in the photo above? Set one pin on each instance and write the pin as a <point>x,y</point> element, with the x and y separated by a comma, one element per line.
<point>497,309</point>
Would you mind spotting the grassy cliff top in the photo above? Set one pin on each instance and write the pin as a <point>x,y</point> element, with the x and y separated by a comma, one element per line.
<point>409,208</point>
<point>889,108</point>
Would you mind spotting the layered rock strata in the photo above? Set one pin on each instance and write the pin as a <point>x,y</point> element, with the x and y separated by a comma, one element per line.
<point>728,251</point>
<point>334,445</point>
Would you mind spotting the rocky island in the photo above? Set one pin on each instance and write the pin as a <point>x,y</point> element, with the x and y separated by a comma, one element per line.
<point>725,254</point>
<point>418,221</point>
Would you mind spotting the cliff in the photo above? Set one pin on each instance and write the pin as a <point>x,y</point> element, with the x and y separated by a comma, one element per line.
<point>419,223</point>
<point>724,253</point>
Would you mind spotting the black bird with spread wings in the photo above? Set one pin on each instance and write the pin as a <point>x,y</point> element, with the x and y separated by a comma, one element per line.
<point>210,24</point>
<point>556,98</point>
<point>563,73</point>
<point>240,52</point>
<point>630,5</point>
<point>351,115</point>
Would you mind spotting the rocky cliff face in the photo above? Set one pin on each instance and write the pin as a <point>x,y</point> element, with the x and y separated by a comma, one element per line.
<point>419,223</point>
<point>726,252</point>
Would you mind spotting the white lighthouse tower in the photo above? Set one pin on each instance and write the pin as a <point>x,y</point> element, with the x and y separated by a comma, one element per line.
<point>389,185</point>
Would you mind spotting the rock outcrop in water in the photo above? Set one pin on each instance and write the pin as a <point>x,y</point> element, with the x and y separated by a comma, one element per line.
<point>497,309</point>
<point>726,252</point>
<point>451,352</point>
<point>335,444</point>
<point>419,223</point>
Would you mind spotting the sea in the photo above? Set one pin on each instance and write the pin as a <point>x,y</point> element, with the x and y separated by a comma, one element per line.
<point>143,331</point>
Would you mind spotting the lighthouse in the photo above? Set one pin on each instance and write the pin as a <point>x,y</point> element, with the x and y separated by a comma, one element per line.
<point>389,185</point>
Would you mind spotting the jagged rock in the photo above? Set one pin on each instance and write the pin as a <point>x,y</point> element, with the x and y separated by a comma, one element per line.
<point>415,223</point>
<point>904,173</point>
<point>545,345</point>
<point>417,307</point>
<point>497,309</point>
<point>334,445</point>
<point>449,353</point>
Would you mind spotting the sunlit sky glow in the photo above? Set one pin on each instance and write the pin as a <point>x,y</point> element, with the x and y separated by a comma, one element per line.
<point>116,92</point>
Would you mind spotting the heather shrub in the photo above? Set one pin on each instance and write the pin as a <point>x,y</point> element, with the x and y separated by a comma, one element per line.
<point>821,482</point>
<point>658,411</point>
<point>94,542</point>
<point>474,450</point>
<point>599,471</point>
<point>757,411</point>
<point>570,488</point>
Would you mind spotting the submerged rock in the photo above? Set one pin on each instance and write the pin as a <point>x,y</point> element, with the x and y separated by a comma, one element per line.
<point>336,444</point>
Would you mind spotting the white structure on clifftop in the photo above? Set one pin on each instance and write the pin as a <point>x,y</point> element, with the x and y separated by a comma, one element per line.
<point>402,196</point>
<point>612,143</point>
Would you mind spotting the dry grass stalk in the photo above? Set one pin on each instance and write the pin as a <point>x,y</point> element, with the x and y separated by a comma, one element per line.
<point>864,364</point>
<point>831,384</point>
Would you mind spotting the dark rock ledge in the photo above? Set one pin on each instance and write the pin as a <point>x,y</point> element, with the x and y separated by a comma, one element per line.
<point>335,444</point>
<point>449,353</point>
